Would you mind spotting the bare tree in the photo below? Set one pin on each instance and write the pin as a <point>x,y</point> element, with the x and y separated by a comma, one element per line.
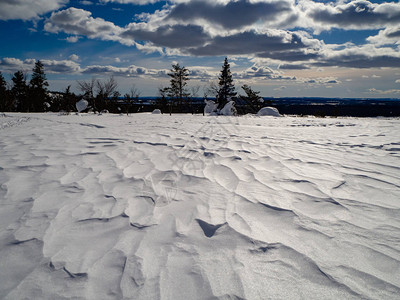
<point>87,87</point>
<point>134,92</point>
<point>106,88</point>
<point>194,91</point>
<point>211,90</point>
<point>131,97</point>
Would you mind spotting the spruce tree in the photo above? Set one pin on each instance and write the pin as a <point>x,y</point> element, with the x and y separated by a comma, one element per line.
<point>19,91</point>
<point>179,77</point>
<point>3,93</point>
<point>38,88</point>
<point>226,86</point>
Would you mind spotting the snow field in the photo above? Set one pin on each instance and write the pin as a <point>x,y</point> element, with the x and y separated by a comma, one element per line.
<point>190,207</point>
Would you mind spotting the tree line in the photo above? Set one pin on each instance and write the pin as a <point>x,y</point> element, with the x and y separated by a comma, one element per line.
<point>34,96</point>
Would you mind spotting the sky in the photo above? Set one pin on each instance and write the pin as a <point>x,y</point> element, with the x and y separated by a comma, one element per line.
<point>282,48</point>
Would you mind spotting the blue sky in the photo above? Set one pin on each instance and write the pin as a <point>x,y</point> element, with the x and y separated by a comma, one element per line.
<point>281,48</point>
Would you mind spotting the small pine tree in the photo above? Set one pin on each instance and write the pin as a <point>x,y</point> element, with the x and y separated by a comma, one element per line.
<point>226,86</point>
<point>179,77</point>
<point>68,100</point>
<point>38,88</point>
<point>162,101</point>
<point>252,98</point>
<point>19,91</point>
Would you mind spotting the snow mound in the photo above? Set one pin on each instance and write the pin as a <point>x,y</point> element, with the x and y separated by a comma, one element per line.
<point>269,111</point>
<point>156,112</point>
<point>81,105</point>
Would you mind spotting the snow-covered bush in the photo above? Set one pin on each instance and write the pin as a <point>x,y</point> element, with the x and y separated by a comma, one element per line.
<point>210,108</point>
<point>81,105</point>
<point>229,109</point>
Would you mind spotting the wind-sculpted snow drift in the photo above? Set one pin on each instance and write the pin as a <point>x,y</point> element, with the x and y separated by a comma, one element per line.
<point>191,207</point>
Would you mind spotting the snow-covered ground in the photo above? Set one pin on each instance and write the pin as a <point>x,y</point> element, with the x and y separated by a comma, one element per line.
<point>190,207</point>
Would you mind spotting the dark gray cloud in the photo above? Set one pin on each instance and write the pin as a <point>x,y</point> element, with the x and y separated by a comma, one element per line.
<point>356,14</point>
<point>136,2</point>
<point>131,71</point>
<point>360,61</point>
<point>290,55</point>
<point>50,66</point>
<point>234,14</point>
<point>61,66</point>
<point>171,36</point>
<point>393,33</point>
<point>250,42</point>
<point>293,67</point>
<point>320,80</point>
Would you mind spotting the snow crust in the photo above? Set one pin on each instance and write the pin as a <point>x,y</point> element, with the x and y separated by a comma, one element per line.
<point>156,112</point>
<point>191,207</point>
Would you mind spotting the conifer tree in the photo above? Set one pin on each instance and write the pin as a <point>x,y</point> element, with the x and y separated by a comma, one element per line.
<point>3,93</point>
<point>19,91</point>
<point>68,100</point>
<point>226,86</point>
<point>252,98</point>
<point>38,88</point>
<point>179,77</point>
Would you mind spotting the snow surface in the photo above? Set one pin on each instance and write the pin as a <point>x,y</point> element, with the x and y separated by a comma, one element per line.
<point>191,207</point>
